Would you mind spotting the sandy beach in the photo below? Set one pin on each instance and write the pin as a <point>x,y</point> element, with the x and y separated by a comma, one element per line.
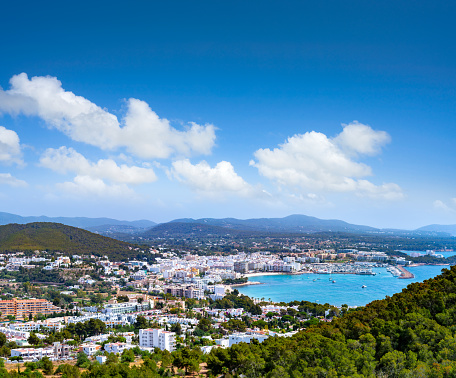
<point>262,274</point>
<point>272,274</point>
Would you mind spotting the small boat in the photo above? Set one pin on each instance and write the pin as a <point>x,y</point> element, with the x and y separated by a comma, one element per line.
<point>364,286</point>
<point>334,281</point>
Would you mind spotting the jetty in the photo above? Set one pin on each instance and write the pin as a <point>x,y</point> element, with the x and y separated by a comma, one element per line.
<point>405,274</point>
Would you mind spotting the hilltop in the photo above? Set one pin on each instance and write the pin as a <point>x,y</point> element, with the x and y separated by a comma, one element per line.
<point>59,237</point>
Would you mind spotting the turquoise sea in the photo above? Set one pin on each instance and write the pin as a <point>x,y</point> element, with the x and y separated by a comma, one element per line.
<point>347,288</point>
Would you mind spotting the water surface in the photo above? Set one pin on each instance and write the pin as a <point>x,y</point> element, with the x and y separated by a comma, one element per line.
<point>346,290</point>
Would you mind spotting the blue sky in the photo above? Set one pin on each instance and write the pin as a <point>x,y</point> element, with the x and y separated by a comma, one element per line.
<point>162,110</point>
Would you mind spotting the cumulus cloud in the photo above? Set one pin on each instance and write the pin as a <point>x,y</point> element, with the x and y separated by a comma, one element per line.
<point>357,138</point>
<point>450,206</point>
<point>87,186</point>
<point>65,160</point>
<point>7,179</point>
<point>142,132</point>
<point>201,177</point>
<point>10,148</point>
<point>146,135</point>
<point>312,161</point>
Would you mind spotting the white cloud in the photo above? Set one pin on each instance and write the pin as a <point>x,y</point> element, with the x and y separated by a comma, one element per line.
<point>148,136</point>
<point>357,138</point>
<point>314,162</point>
<point>87,186</point>
<point>201,177</point>
<point>65,160</point>
<point>448,207</point>
<point>10,148</point>
<point>142,132</point>
<point>438,204</point>
<point>389,191</point>
<point>7,179</point>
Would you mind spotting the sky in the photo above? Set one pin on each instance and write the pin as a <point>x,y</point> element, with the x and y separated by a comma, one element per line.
<point>172,109</point>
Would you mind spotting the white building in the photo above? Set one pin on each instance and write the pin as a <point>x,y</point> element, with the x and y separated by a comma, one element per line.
<point>33,353</point>
<point>219,292</point>
<point>157,338</point>
<point>237,338</point>
<point>101,359</point>
<point>89,349</point>
<point>125,307</point>
<point>117,347</point>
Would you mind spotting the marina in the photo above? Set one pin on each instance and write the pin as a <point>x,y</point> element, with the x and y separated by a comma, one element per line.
<point>351,289</point>
<point>346,268</point>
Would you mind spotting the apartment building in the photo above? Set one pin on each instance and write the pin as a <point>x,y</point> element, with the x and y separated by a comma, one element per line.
<point>117,348</point>
<point>241,266</point>
<point>157,338</point>
<point>37,326</point>
<point>89,349</point>
<point>21,307</point>
<point>61,350</point>
<point>29,354</point>
<point>126,307</point>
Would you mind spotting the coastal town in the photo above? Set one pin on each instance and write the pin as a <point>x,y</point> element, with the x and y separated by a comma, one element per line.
<point>180,299</point>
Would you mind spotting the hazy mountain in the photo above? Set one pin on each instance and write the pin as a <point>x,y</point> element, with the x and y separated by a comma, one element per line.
<point>292,223</point>
<point>93,224</point>
<point>189,229</point>
<point>438,228</point>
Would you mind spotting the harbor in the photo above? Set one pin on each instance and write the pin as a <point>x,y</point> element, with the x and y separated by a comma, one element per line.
<point>348,288</point>
<point>346,268</point>
<point>400,272</point>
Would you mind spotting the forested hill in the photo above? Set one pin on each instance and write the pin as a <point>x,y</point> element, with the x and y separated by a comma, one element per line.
<point>58,237</point>
<point>411,334</point>
<point>195,230</point>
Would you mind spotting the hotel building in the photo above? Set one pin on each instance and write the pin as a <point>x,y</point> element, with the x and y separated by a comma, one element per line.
<point>21,307</point>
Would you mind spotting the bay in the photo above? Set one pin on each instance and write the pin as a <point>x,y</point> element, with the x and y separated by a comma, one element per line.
<point>346,290</point>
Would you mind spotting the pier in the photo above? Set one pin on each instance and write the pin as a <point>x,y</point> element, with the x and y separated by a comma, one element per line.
<point>405,274</point>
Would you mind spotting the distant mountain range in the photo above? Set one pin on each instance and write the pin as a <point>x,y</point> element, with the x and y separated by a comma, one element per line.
<point>177,229</point>
<point>292,223</point>
<point>100,225</point>
<point>217,227</point>
<point>449,229</point>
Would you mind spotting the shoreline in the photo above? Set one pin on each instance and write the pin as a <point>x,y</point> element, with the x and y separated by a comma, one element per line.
<point>248,275</point>
<point>247,284</point>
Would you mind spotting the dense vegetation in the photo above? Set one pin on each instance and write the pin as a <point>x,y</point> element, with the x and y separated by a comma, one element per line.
<point>58,237</point>
<point>180,229</point>
<point>236,300</point>
<point>411,334</point>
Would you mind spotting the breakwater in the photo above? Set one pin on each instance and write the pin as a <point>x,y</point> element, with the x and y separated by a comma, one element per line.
<point>405,274</point>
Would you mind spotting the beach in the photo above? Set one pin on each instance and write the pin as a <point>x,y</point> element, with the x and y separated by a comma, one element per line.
<point>248,275</point>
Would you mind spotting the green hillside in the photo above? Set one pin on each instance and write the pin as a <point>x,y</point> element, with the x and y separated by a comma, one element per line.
<point>58,237</point>
<point>411,334</point>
